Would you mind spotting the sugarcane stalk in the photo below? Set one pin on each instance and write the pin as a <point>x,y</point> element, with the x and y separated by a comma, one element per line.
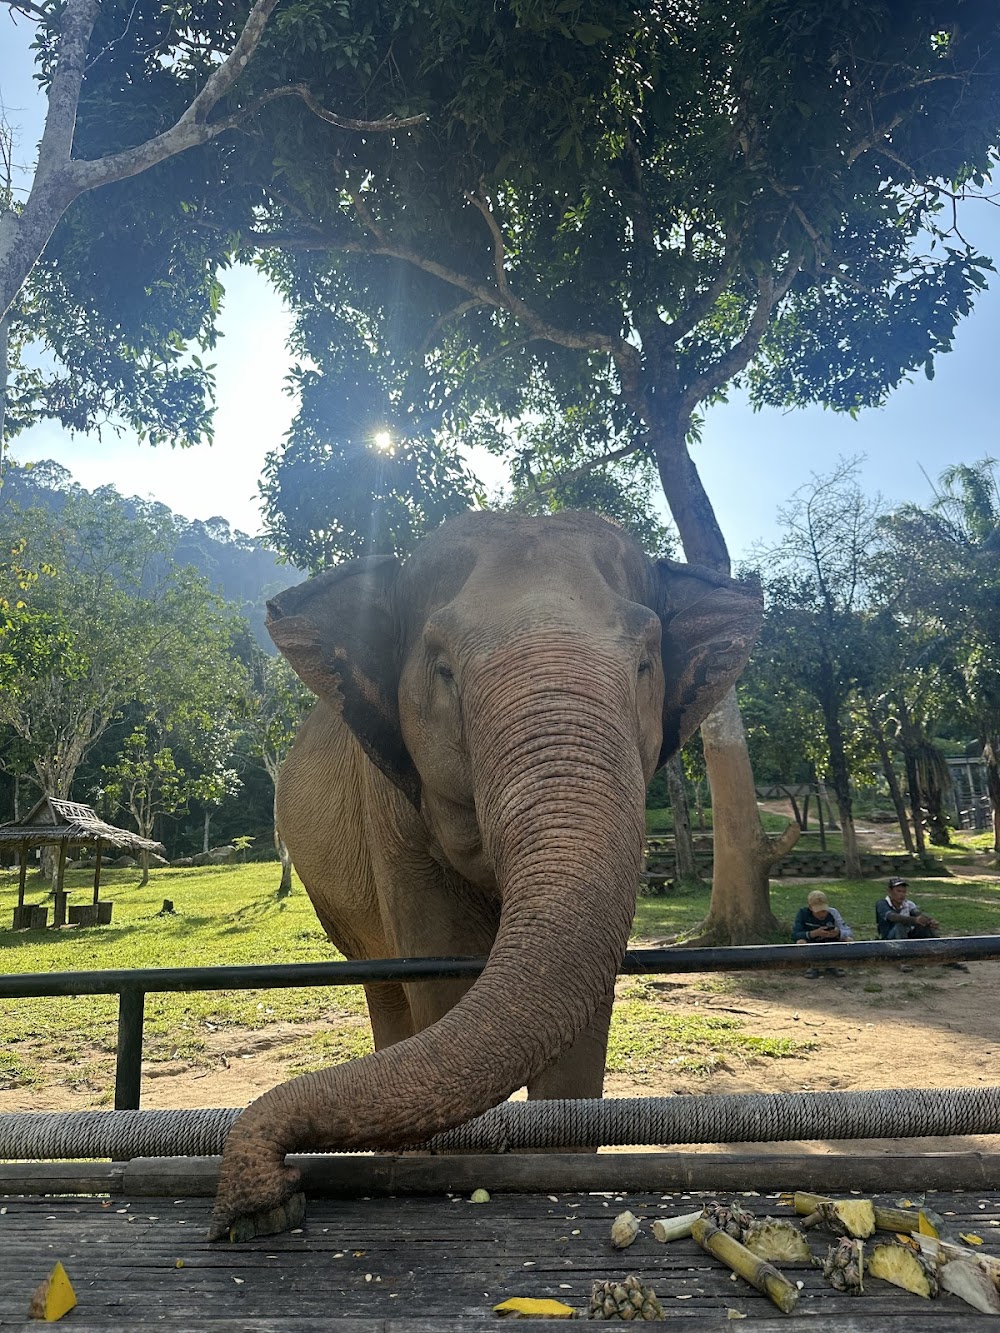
<point>760,1274</point>
<point>675,1228</point>
<point>903,1220</point>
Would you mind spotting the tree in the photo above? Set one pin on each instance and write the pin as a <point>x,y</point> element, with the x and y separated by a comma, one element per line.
<point>633,210</point>
<point>816,595</point>
<point>109,621</point>
<point>276,703</point>
<point>158,88</point>
<point>627,211</point>
<point>946,569</point>
<point>147,783</point>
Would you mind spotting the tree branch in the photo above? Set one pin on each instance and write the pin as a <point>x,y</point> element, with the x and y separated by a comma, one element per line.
<point>456,312</point>
<point>584,470</point>
<point>770,292</point>
<point>76,26</point>
<point>29,10</point>
<point>345,122</point>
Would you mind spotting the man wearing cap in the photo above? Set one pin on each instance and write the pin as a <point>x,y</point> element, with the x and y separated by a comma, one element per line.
<point>899,918</point>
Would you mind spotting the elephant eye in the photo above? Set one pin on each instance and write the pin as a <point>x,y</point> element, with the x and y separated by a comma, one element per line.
<point>645,667</point>
<point>445,671</point>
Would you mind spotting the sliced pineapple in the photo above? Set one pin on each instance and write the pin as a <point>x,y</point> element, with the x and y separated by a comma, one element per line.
<point>904,1266</point>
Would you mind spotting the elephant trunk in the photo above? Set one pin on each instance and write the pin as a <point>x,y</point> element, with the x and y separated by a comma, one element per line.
<point>560,797</point>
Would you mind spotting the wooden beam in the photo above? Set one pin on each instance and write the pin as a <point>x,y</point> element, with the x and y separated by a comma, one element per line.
<point>348,1176</point>
<point>97,871</point>
<point>23,875</point>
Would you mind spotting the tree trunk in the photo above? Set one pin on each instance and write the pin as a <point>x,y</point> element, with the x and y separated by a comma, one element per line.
<point>204,839</point>
<point>913,784</point>
<point>938,833</point>
<point>889,772</point>
<point>841,780</point>
<point>740,909</point>
<point>906,742</point>
<point>4,372</point>
<point>144,860</point>
<point>686,866</point>
<point>699,805</point>
<point>285,886</point>
<point>991,756</point>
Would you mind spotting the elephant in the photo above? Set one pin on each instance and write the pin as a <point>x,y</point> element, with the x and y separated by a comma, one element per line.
<point>472,781</point>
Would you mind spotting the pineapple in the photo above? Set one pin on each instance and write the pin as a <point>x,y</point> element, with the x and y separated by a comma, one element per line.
<point>905,1267</point>
<point>627,1299</point>
<point>779,1242</point>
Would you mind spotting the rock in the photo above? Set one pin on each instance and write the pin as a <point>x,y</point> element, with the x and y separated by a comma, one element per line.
<point>183,861</point>
<point>202,859</point>
<point>123,863</point>
<point>221,856</point>
<point>155,859</point>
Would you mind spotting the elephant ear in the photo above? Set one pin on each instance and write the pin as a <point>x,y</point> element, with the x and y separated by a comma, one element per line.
<point>338,633</point>
<point>709,623</point>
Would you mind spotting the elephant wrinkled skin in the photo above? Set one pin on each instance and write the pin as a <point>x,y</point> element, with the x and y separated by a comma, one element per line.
<point>472,781</point>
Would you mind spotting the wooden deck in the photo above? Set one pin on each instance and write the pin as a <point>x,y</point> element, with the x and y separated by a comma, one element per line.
<point>416,1264</point>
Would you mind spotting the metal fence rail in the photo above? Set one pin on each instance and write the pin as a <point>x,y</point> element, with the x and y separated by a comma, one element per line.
<point>133,985</point>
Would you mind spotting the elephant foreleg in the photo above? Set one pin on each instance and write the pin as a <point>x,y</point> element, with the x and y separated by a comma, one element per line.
<point>579,1072</point>
<point>389,1011</point>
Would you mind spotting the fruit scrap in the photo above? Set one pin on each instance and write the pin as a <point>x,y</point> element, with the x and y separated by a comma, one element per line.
<point>624,1230</point>
<point>969,1274</point>
<point>624,1300</point>
<point>904,1266</point>
<point>843,1217</point>
<point>779,1242</point>
<point>527,1307</point>
<point>52,1298</point>
<point>844,1266</point>
<point>479,1196</point>
<point>760,1274</point>
<point>968,1280</point>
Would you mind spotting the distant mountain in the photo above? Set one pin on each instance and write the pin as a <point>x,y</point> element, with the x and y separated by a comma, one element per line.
<point>239,568</point>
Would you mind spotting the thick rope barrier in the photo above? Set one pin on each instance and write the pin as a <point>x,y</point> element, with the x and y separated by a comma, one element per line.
<point>516,1126</point>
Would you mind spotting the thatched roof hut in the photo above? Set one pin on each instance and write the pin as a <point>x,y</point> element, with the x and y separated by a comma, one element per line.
<point>65,824</point>
<point>53,821</point>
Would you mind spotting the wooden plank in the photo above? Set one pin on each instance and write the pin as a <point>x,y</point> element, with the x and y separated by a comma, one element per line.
<point>349,1175</point>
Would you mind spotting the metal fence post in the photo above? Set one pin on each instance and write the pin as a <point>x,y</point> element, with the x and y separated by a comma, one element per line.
<point>128,1065</point>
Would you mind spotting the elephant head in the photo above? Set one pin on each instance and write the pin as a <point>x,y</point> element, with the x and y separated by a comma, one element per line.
<point>518,681</point>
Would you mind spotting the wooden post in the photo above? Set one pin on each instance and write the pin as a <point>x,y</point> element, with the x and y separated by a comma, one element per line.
<point>97,871</point>
<point>23,875</point>
<point>59,894</point>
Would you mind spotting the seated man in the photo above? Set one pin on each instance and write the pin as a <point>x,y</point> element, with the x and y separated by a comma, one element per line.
<point>899,918</point>
<point>819,923</point>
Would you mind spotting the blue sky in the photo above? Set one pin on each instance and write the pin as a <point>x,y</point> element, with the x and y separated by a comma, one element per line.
<point>750,462</point>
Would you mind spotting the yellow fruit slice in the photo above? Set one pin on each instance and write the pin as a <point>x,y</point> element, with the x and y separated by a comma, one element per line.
<point>526,1307</point>
<point>52,1298</point>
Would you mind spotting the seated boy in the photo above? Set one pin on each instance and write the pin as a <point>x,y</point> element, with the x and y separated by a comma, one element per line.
<point>819,923</point>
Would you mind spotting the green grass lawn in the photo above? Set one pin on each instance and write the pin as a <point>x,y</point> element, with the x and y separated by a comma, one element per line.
<point>225,915</point>
<point>229,915</point>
